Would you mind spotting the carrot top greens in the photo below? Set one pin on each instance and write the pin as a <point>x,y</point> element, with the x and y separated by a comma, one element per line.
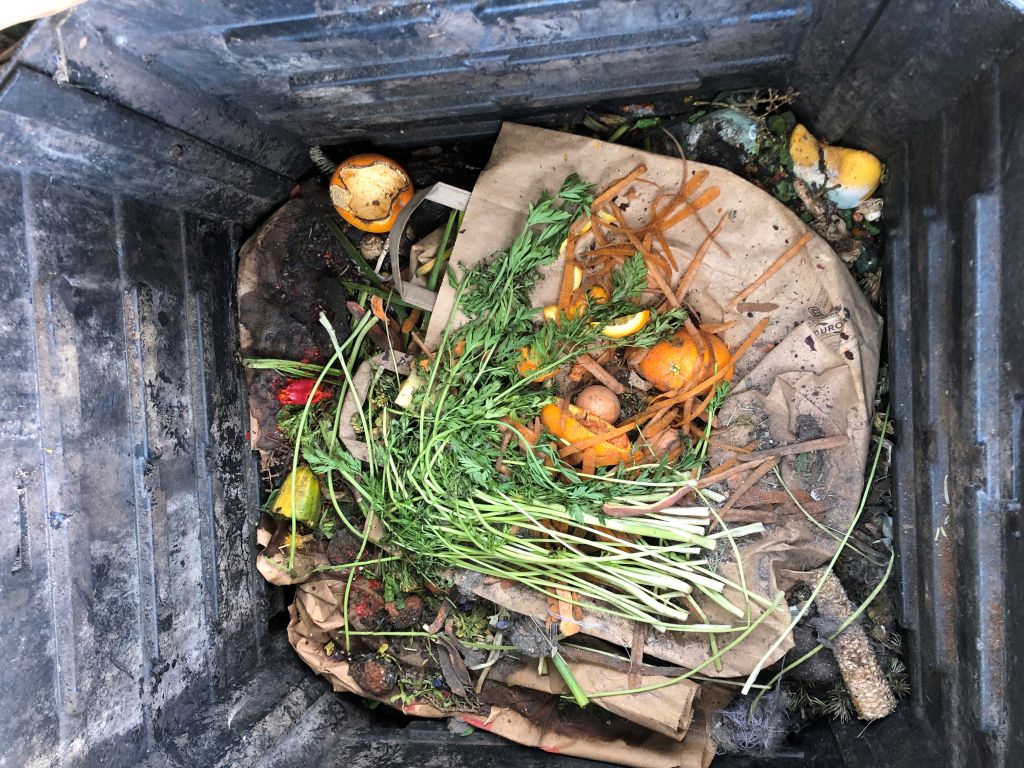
<point>431,475</point>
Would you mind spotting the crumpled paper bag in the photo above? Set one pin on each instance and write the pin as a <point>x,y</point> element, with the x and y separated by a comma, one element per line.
<point>272,563</point>
<point>668,710</point>
<point>316,618</point>
<point>618,745</point>
<point>824,396</point>
<point>684,649</point>
<point>812,372</point>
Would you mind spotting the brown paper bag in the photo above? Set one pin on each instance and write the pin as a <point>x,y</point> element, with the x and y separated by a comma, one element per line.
<point>272,562</point>
<point>667,711</point>
<point>811,374</point>
<point>815,287</point>
<point>668,714</point>
<point>822,397</point>
<point>628,746</point>
<point>822,342</point>
<point>684,649</point>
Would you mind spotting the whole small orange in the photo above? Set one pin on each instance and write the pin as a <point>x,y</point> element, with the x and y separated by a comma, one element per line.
<point>677,363</point>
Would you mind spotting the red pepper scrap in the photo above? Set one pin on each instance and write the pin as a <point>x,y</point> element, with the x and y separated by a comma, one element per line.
<point>297,391</point>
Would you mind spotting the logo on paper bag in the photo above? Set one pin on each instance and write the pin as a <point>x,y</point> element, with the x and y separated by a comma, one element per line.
<point>830,322</point>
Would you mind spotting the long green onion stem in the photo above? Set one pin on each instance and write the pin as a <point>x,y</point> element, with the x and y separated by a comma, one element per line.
<point>570,680</point>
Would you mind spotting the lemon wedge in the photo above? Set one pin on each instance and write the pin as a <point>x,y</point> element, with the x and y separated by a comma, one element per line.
<point>627,326</point>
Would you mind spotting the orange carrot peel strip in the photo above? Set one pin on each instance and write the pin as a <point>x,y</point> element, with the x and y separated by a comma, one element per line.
<point>695,262</point>
<point>774,267</point>
<point>598,372</point>
<point>664,287</point>
<point>686,188</point>
<point>565,290</point>
<point>411,320</point>
<point>529,437</point>
<point>589,461</point>
<point>566,626</point>
<point>717,327</point>
<point>377,306</point>
<point>705,199</point>
<point>617,186</point>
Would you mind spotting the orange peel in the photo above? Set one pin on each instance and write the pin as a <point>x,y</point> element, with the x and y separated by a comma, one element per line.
<point>576,425</point>
<point>369,190</point>
<point>528,365</point>
<point>596,295</point>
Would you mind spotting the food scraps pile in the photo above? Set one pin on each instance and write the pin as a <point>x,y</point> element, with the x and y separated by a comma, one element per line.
<point>547,518</point>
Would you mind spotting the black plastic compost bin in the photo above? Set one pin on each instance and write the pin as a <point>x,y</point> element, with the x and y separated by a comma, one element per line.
<point>141,141</point>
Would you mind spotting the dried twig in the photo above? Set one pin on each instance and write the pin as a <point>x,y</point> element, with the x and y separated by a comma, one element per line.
<point>419,343</point>
<point>749,482</point>
<point>804,446</point>
<point>722,474</point>
<point>636,655</point>
<point>755,306</point>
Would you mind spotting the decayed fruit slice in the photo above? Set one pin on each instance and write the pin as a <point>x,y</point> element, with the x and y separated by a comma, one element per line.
<point>528,364</point>
<point>677,363</point>
<point>306,496</point>
<point>851,175</point>
<point>627,326</point>
<point>369,190</point>
<point>576,425</point>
